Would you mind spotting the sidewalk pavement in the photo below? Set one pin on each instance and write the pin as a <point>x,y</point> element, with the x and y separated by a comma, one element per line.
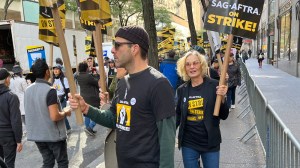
<point>281,91</point>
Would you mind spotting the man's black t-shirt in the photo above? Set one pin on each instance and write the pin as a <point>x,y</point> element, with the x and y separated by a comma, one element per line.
<point>195,133</point>
<point>52,97</point>
<point>140,101</point>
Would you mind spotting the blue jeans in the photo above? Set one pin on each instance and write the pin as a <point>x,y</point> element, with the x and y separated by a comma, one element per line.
<point>209,159</point>
<point>231,96</point>
<point>89,123</point>
<point>63,105</point>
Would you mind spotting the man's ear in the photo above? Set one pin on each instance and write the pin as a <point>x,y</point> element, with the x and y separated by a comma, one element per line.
<point>135,49</point>
<point>7,81</point>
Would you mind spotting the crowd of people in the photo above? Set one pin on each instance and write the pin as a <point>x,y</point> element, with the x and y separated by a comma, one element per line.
<point>146,105</point>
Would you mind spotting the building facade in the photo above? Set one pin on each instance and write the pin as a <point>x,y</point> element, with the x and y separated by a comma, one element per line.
<point>279,35</point>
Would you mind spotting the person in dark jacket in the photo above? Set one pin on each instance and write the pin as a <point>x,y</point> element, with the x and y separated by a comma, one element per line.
<point>199,132</point>
<point>89,90</point>
<point>168,68</point>
<point>260,58</point>
<point>10,121</point>
<point>234,80</point>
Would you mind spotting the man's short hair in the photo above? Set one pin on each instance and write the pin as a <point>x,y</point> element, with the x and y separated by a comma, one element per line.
<point>3,75</point>
<point>59,61</point>
<point>171,54</point>
<point>83,66</point>
<point>39,68</point>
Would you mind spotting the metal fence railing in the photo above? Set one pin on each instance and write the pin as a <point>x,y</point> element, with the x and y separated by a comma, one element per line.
<point>281,148</point>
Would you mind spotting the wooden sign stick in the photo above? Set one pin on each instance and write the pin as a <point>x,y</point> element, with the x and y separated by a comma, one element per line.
<point>223,74</point>
<point>220,61</point>
<point>51,61</point>
<point>97,35</point>
<point>66,59</point>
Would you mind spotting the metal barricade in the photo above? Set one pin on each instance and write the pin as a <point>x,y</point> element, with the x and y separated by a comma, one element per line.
<point>281,148</point>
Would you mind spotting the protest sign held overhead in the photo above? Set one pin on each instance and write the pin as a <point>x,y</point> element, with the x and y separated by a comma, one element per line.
<point>34,53</point>
<point>237,43</point>
<point>165,40</point>
<point>47,30</point>
<point>238,17</point>
<point>93,10</point>
<point>90,46</point>
<point>206,43</point>
<point>90,24</point>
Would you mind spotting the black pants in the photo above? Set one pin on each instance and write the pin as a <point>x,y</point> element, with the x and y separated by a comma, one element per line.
<point>52,151</point>
<point>231,96</point>
<point>9,149</point>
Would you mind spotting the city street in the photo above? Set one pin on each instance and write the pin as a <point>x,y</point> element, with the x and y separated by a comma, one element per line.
<point>82,149</point>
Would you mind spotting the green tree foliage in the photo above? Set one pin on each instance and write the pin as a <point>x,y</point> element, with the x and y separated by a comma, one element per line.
<point>71,5</point>
<point>125,9</point>
<point>162,16</point>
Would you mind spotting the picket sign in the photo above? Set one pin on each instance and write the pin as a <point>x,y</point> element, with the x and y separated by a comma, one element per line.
<point>233,17</point>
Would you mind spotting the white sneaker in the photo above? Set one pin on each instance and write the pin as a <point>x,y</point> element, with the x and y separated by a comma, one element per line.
<point>233,106</point>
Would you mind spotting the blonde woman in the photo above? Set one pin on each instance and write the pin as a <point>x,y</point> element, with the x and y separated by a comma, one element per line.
<point>199,132</point>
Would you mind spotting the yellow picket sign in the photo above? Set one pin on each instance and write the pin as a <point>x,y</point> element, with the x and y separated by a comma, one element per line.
<point>47,31</point>
<point>163,43</point>
<point>95,10</point>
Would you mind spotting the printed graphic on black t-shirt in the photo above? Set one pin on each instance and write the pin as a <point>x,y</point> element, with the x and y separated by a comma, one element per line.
<point>123,117</point>
<point>195,109</point>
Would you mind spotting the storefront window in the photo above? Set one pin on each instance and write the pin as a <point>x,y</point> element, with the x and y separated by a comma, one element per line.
<point>285,36</point>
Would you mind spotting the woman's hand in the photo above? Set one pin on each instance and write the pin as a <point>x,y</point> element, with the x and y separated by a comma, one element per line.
<point>222,90</point>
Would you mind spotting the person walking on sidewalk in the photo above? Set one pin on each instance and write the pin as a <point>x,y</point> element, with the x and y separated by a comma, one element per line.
<point>234,80</point>
<point>61,85</point>
<point>260,58</point>
<point>142,110</point>
<point>249,53</point>
<point>10,121</point>
<point>18,85</point>
<point>45,119</point>
<point>199,131</point>
<point>89,90</point>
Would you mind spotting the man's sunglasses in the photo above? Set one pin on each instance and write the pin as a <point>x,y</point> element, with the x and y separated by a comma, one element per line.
<point>119,44</point>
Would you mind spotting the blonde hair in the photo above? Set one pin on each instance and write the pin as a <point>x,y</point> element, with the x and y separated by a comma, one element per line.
<point>181,65</point>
